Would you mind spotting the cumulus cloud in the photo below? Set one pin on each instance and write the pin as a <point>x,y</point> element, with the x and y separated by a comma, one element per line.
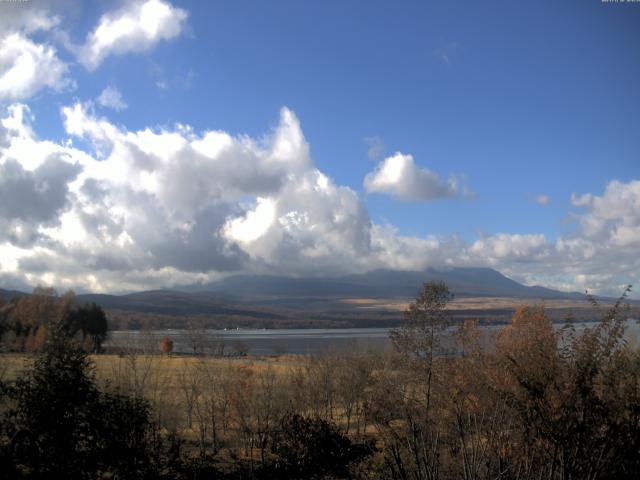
<point>601,253</point>
<point>80,121</point>
<point>27,67</point>
<point>27,17</point>
<point>111,98</point>
<point>34,179</point>
<point>156,203</point>
<point>135,28</point>
<point>510,247</point>
<point>175,206</point>
<point>399,176</point>
<point>37,195</point>
<point>309,226</point>
<point>161,207</point>
<point>614,217</point>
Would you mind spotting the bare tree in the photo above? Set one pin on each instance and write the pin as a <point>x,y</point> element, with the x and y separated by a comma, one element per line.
<point>419,339</point>
<point>353,377</point>
<point>321,373</point>
<point>196,336</point>
<point>404,408</point>
<point>189,382</point>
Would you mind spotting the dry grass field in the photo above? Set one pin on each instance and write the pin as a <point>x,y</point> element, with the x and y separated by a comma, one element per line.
<point>170,366</point>
<point>188,393</point>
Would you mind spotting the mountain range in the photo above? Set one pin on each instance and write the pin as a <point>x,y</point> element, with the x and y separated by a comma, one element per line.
<point>269,297</point>
<point>463,282</point>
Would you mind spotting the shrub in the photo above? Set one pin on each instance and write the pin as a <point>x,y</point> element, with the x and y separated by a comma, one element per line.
<point>312,447</point>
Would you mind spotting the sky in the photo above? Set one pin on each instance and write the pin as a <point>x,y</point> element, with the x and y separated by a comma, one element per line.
<point>152,144</point>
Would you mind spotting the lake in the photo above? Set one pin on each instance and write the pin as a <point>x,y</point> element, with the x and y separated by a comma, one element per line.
<point>278,341</point>
<point>257,342</point>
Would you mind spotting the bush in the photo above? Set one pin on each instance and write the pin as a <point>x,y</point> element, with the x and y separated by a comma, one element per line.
<point>312,447</point>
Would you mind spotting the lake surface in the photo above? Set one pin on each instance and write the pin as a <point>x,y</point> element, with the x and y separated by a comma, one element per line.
<point>277,341</point>
<point>258,342</point>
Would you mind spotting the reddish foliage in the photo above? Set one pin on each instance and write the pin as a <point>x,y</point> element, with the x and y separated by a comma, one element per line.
<point>166,345</point>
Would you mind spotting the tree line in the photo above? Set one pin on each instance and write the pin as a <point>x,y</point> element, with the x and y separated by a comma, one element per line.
<point>537,403</point>
<point>27,322</point>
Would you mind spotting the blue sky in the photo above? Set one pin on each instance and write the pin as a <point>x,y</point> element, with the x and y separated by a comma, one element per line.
<point>506,110</point>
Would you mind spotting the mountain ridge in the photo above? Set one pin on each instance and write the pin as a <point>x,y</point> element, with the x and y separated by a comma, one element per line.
<point>375,298</point>
<point>382,283</point>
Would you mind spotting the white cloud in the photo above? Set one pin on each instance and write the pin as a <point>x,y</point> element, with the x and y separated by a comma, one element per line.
<point>510,247</point>
<point>399,252</point>
<point>253,225</point>
<point>26,17</point>
<point>601,254</point>
<point>542,199</point>
<point>34,180</point>
<point>111,98</point>
<point>27,67</point>
<point>581,200</point>
<point>160,199</point>
<point>375,147</point>
<point>135,28</point>
<point>160,207</point>
<point>310,226</point>
<point>399,176</point>
<point>614,217</point>
<point>80,122</point>
<point>175,201</point>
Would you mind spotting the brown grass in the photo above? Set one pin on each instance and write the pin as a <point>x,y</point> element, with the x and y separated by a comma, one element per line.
<point>12,364</point>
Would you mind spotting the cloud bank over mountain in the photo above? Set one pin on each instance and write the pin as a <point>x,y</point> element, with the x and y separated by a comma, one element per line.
<point>158,207</point>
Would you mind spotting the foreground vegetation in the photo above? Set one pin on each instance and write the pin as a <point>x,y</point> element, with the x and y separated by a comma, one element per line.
<point>539,404</point>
